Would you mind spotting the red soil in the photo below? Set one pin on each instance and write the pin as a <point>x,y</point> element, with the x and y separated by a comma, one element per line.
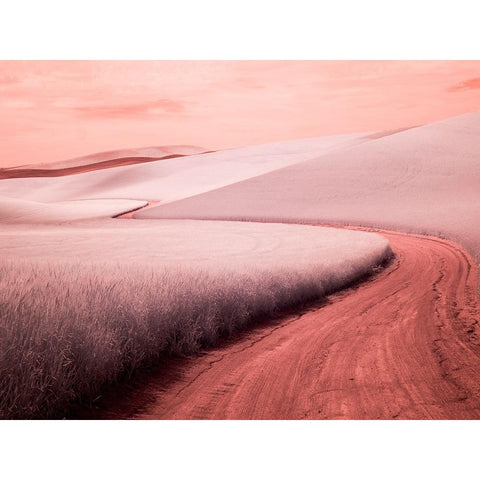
<point>403,345</point>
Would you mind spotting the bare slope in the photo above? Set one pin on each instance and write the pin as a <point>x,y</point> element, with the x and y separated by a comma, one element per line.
<point>425,179</point>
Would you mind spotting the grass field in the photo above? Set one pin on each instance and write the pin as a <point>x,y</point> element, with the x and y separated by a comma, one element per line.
<point>86,305</point>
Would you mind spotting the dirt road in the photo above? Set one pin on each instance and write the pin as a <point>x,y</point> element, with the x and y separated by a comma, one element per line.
<point>402,345</point>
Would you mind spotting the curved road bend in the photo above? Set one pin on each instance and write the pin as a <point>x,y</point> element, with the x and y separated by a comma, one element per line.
<point>403,345</point>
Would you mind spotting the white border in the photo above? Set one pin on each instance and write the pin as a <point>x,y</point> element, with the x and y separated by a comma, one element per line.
<point>239,450</point>
<point>250,29</point>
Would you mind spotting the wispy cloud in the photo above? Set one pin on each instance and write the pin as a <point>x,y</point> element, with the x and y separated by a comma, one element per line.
<point>131,110</point>
<point>471,84</point>
<point>248,83</point>
<point>9,80</point>
<point>79,107</point>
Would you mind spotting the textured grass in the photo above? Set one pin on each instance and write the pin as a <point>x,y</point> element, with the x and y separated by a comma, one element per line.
<point>68,327</point>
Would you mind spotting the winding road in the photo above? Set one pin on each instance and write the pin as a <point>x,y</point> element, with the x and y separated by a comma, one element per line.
<point>403,345</point>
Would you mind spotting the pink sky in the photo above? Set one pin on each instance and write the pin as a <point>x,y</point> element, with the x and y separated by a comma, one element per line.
<point>54,110</point>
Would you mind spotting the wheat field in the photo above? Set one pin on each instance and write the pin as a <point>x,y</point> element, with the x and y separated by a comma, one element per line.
<point>78,317</point>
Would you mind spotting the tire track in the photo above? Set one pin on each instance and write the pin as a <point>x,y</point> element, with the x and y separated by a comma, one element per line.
<point>402,345</point>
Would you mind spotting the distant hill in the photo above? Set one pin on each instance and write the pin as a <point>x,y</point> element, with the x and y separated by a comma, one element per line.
<point>100,161</point>
<point>172,178</point>
<point>424,180</point>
